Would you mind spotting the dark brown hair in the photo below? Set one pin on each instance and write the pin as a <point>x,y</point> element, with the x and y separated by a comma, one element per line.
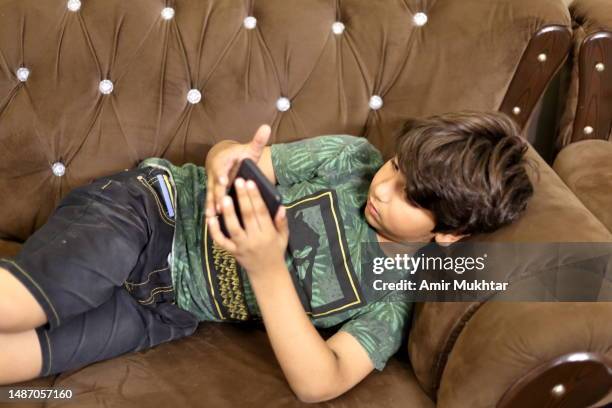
<point>467,168</point>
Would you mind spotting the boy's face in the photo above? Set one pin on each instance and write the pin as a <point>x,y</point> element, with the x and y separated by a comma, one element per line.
<point>392,216</point>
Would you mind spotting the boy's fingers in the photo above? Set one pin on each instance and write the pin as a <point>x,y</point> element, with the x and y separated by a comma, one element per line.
<point>259,207</point>
<point>210,202</point>
<point>246,207</point>
<point>220,176</point>
<point>232,224</point>
<point>219,191</point>
<point>215,233</point>
<point>280,221</point>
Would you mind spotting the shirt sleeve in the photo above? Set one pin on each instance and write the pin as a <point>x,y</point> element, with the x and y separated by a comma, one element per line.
<point>326,156</point>
<point>382,327</point>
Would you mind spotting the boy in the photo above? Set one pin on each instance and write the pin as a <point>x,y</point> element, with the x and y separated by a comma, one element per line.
<point>96,281</point>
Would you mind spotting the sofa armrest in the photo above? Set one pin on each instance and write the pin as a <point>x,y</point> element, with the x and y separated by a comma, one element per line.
<point>9,249</point>
<point>588,112</point>
<point>586,168</point>
<point>554,214</point>
<point>506,341</point>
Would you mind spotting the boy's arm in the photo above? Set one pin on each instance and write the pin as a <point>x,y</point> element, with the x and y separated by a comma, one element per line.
<point>315,369</point>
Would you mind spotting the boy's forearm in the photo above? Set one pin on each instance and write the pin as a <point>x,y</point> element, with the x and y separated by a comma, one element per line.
<point>307,361</point>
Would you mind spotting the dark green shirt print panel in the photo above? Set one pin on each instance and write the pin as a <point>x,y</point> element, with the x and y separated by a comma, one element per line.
<point>324,182</point>
<point>319,255</point>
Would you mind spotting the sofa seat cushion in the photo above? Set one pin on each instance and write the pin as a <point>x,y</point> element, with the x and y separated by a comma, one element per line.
<point>586,168</point>
<point>221,364</point>
<point>9,248</point>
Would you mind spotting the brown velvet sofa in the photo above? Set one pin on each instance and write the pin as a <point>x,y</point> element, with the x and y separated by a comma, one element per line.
<point>59,131</point>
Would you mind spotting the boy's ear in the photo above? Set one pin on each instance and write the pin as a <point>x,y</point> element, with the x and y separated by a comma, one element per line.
<point>445,239</point>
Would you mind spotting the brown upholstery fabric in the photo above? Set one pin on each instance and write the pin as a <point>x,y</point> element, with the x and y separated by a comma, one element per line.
<point>464,57</point>
<point>554,214</point>
<point>8,248</point>
<point>435,328</point>
<point>593,15</point>
<point>586,167</point>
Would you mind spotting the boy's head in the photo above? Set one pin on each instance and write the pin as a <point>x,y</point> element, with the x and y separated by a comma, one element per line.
<point>453,175</point>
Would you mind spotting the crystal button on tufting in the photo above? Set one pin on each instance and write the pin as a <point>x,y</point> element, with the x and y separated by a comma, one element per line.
<point>106,87</point>
<point>194,96</point>
<point>376,102</point>
<point>23,74</point>
<point>283,104</point>
<point>167,13</point>
<point>338,28</point>
<point>58,169</point>
<point>420,19</point>
<point>250,22</point>
<point>74,5</point>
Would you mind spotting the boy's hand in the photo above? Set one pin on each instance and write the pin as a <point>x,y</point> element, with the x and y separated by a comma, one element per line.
<point>260,246</point>
<point>221,160</point>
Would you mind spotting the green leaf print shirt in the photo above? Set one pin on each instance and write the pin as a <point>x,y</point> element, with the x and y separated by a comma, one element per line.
<point>324,183</point>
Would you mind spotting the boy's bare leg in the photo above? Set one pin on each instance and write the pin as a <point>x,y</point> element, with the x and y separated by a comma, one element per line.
<point>20,357</point>
<point>19,310</point>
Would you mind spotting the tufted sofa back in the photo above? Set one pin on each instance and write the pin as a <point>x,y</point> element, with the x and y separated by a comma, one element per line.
<point>91,87</point>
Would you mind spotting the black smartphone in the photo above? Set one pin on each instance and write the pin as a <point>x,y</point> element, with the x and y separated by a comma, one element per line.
<point>248,170</point>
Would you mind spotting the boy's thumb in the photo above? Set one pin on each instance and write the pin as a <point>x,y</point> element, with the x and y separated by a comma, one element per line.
<point>260,139</point>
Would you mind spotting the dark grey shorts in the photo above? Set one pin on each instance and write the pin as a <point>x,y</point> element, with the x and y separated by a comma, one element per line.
<point>99,268</point>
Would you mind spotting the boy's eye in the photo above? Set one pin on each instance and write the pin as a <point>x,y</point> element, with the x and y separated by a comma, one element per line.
<point>394,164</point>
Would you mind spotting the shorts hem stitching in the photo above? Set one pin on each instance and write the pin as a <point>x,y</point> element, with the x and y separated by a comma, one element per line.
<point>50,353</point>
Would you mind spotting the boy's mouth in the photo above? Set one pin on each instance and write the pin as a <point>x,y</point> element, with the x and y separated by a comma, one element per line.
<point>370,207</point>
